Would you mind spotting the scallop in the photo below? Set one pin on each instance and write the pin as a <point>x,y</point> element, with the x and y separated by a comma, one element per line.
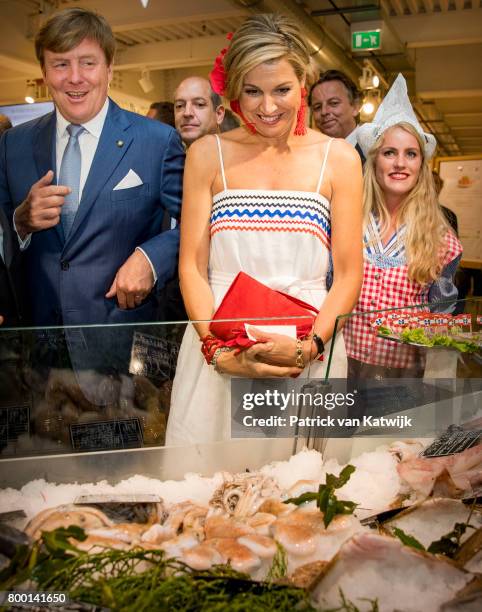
<point>202,557</point>
<point>261,522</point>
<point>260,545</point>
<point>175,547</point>
<point>156,534</point>
<point>125,532</point>
<point>224,527</point>
<point>298,540</point>
<point>240,557</point>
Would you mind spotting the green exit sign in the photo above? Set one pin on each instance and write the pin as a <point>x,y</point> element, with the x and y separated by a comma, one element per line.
<point>366,41</point>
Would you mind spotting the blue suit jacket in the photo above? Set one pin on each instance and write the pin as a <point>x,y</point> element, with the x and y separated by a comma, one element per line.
<point>67,279</point>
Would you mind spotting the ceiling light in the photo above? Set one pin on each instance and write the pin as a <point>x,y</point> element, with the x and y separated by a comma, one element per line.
<point>369,78</point>
<point>145,81</point>
<point>371,101</point>
<point>30,92</point>
<point>144,3</point>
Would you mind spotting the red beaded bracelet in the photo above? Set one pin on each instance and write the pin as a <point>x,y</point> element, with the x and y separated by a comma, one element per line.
<point>210,344</point>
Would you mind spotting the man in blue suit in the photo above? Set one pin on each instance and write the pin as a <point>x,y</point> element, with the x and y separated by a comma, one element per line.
<point>87,186</point>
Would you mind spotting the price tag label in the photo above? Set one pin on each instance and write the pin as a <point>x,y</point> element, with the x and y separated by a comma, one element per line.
<point>14,421</point>
<point>454,440</point>
<point>106,435</point>
<point>153,357</point>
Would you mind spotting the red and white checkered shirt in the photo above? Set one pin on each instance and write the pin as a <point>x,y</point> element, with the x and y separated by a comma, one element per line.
<point>386,286</point>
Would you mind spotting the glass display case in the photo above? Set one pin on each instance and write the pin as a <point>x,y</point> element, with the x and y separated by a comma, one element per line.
<point>415,365</point>
<point>441,340</point>
<point>84,411</point>
<point>93,402</point>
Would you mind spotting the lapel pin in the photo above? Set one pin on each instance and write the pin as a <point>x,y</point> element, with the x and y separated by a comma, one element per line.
<point>120,143</point>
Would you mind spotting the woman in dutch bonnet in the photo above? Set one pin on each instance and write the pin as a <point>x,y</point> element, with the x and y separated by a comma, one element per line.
<point>270,198</point>
<point>411,253</point>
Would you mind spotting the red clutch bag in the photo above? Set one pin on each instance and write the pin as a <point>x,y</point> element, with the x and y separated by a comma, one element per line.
<point>248,299</point>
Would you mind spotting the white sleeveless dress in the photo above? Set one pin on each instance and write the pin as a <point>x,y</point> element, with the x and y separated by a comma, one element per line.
<point>279,237</point>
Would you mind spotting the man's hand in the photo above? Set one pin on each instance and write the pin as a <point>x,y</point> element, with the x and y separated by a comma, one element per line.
<point>42,207</point>
<point>1,319</point>
<point>133,281</point>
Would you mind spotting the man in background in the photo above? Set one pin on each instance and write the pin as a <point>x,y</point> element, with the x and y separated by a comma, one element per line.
<point>198,110</point>
<point>449,214</point>
<point>162,111</point>
<point>5,123</point>
<point>464,277</point>
<point>335,103</point>
<point>230,122</point>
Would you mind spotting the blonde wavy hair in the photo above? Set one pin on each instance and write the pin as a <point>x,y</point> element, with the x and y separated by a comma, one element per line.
<point>426,227</point>
<point>263,38</point>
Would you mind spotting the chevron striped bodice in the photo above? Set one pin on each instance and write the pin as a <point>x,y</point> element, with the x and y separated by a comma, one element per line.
<point>281,237</point>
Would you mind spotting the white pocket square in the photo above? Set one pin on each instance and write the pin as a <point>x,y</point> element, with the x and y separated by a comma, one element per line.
<point>131,179</point>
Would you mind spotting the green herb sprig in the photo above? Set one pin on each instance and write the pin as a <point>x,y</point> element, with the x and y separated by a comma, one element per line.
<point>325,497</point>
<point>407,540</point>
<point>448,545</point>
<point>279,565</point>
<point>143,580</point>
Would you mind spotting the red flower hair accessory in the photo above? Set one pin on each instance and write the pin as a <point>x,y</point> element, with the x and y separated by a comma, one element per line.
<point>217,76</point>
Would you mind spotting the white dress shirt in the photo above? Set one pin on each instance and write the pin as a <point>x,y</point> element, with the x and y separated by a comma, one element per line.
<point>351,138</point>
<point>88,142</point>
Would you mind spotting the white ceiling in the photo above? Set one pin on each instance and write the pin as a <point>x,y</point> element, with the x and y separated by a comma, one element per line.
<point>437,44</point>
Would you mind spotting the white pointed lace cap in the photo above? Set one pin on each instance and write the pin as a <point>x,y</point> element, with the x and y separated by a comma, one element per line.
<point>395,108</point>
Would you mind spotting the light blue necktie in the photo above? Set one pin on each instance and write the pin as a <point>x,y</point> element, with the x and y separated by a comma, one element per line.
<point>70,176</point>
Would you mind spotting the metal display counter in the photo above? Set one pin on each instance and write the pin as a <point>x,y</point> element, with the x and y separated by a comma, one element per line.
<point>167,463</point>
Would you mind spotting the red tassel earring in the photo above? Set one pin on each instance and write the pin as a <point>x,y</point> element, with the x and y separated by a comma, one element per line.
<point>236,108</point>
<point>300,128</point>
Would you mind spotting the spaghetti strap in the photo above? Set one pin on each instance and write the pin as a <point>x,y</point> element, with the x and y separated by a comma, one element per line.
<point>218,140</point>
<point>323,166</point>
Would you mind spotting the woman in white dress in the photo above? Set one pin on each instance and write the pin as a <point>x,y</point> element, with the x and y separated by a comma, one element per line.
<point>271,199</point>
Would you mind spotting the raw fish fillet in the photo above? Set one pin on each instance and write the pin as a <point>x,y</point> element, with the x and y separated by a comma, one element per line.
<point>371,566</point>
<point>453,475</point>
